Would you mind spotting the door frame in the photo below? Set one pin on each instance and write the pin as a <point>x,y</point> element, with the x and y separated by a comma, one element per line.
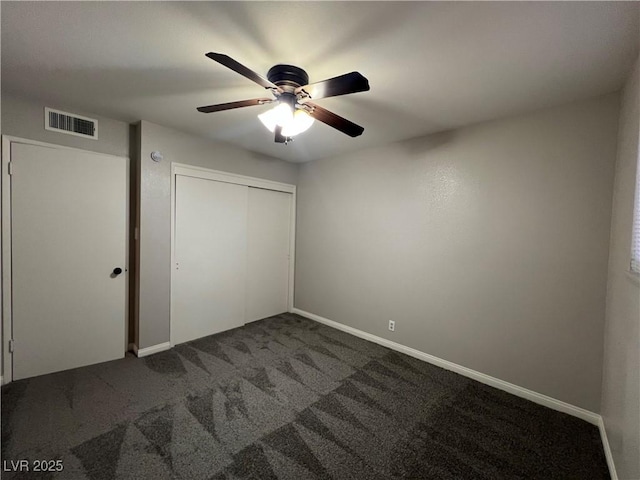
<point>6,330</point>
<point>226,177</point>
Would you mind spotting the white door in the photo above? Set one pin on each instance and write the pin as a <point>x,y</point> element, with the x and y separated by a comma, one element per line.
<point>68,233</point>
<point>210,258</point>
<point>269,220</point>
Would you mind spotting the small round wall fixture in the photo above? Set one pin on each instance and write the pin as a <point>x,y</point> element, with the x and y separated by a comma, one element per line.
<point>156,156</point>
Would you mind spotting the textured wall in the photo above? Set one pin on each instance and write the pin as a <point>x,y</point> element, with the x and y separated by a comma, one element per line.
<point>25,118</point>
<point>487,245</point>
<point>155,211</point>
<point>621,378</point>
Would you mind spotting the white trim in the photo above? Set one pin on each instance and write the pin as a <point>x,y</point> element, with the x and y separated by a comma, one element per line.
<point>292,252</point>
<point>538,398</point>
<point>607,449</point>
<point>7,358</point>
<point>173,253</point>
<point>5,235</point>
<point>220,176</point>
<point>1,380</point>
<point>127,257</point>
<point>28,141</point>
<point>144,352</point>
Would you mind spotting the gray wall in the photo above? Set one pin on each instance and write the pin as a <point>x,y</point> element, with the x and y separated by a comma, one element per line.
<point>487,245</point>
<point>621,379</point>
<point>25,118</point>
<point>155,209</point>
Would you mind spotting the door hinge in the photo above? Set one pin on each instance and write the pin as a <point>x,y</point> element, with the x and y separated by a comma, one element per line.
<point>11,345</point>
<point>10,166</point>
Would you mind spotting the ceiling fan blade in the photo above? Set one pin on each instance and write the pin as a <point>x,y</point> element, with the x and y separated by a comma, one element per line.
<point>336,121</point>
<point>279,137</point>
<point>229,62</point>
<point>348,83</point>
<point>230,105</point>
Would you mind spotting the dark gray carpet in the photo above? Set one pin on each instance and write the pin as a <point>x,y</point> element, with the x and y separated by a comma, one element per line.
<point>287,398</point>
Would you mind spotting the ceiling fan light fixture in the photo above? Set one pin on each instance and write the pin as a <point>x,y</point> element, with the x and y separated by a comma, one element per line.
<point>292,123</point>
<point>301,122</point>
<point>281,115</point>
<point>269,119</point>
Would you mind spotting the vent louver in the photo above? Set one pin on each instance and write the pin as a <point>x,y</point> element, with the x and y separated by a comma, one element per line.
<point>65,122</point>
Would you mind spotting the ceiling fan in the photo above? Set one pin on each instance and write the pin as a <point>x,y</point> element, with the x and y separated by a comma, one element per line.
<point>294,111</point>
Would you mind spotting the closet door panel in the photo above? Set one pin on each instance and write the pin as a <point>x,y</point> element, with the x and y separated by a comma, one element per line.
<point>268,229</point>
<point>209,289</point>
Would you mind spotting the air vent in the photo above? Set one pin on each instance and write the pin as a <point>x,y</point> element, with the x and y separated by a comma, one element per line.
<point>65,122</point>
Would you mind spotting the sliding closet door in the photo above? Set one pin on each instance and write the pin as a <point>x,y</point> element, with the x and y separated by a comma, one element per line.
<point>210,258</point>
<point>268,246</point>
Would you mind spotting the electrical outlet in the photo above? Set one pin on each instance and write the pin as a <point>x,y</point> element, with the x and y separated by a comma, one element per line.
<point>392,325</point>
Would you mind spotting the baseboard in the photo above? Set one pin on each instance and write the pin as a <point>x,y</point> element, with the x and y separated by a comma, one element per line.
<point>607,449</point>
<point>516,390</point>
<point>143,352</point>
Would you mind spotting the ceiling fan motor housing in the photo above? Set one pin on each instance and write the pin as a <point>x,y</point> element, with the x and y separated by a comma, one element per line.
<point>287,75</point>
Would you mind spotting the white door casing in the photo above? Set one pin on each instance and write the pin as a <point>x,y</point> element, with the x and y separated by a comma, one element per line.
<point>68,233</point>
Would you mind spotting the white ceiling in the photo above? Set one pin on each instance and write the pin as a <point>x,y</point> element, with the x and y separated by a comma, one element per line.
<point>432,66</point>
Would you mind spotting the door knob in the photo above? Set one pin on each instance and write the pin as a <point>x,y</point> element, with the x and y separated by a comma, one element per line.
<point>117,271</point>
